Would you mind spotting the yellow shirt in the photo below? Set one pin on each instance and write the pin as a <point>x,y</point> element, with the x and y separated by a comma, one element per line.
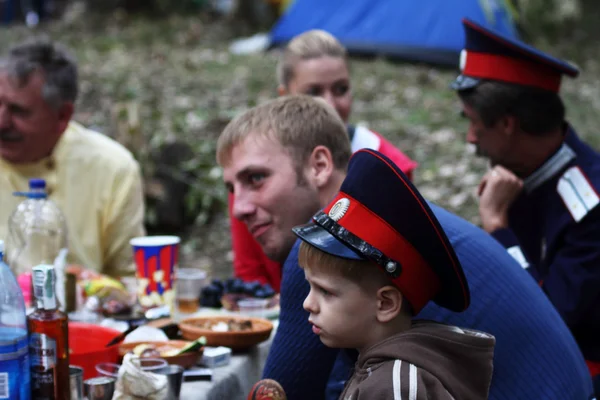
<point>97,184</point>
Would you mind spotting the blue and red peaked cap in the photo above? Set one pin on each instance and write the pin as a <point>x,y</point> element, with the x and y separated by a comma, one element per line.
<point>490,55</point>
<point>379,216</point>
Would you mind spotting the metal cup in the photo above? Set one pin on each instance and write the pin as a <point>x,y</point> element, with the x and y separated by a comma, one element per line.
<point>76,382</point>
<point>174,374</point>
<point>101,388</point>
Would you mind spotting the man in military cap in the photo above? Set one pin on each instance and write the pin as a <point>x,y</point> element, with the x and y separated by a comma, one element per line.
<point>540,196</point>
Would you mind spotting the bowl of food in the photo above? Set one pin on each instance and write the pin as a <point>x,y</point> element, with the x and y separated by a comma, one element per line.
<point>235,332</point>
<point>179,352</point>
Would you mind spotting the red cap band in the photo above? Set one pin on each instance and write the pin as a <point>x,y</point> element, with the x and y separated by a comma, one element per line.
<point>501,68</point>
<point>417,281</point>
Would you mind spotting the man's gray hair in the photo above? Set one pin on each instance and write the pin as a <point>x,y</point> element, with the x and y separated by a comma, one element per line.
<point>52,60</point>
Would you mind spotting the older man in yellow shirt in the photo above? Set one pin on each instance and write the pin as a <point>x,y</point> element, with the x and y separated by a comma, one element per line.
<point>94,180</point>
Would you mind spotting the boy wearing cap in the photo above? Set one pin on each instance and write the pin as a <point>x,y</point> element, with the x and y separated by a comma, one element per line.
<point>540,198</point>
<point>371,268</point>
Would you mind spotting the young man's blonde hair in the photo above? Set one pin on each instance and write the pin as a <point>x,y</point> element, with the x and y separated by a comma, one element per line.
<point>309,45</point>
<point>299,123</point>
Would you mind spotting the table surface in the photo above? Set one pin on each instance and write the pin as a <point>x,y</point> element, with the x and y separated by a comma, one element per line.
<point>232,381</point>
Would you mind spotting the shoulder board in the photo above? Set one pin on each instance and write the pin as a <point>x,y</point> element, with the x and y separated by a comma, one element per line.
<point>577,193</point>
<point>364,138</point>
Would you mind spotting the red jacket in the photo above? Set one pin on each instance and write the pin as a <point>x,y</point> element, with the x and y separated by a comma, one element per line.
<point>250,262</point>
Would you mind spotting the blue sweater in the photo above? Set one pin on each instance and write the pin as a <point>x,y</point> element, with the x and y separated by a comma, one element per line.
<point>535,357</point>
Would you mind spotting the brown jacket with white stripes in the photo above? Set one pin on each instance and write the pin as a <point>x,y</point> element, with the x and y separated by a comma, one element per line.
<point>429,361</point>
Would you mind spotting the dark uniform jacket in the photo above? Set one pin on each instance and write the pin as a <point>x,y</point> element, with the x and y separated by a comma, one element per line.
<point>555,234</point>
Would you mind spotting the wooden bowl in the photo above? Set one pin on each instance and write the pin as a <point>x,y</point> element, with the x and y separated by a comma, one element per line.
<point>185,360</point>
<point>236,340</point>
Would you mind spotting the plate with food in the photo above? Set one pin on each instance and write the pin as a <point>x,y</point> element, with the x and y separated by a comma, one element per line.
<point>235,332</point>
<point>180,352</point>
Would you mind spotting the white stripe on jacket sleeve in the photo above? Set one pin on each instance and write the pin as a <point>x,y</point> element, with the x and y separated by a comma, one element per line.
<point>412,382</point>
<point>396,380</point>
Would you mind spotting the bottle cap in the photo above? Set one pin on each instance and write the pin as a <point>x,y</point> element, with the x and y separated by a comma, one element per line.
<point>37,183</point>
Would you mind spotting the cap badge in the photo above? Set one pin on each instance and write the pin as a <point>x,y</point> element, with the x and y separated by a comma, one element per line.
<point>338,210</point>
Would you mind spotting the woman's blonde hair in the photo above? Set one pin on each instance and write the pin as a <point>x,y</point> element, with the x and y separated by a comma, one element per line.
<point>309,45</point>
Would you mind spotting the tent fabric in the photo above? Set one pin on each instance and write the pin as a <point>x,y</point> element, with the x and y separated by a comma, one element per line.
<point>425,30</point>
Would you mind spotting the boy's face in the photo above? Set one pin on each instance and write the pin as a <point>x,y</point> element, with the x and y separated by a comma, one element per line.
<point>341,311</point>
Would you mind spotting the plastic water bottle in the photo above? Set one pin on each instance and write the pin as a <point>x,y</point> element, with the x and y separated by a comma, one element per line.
<point>37,236</point>
<point>14,353</point>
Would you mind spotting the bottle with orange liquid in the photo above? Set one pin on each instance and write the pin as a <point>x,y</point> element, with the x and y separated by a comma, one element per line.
<point>48,340</point>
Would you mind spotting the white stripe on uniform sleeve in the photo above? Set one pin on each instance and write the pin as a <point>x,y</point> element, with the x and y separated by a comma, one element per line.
<point>396,380</point>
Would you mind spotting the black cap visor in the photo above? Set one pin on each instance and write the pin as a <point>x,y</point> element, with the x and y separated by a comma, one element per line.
<point>321,239</point>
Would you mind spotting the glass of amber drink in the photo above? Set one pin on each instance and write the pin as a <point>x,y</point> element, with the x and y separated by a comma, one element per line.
<point>189,282</point>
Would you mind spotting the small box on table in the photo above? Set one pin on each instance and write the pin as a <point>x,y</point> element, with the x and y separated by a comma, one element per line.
<point>216,356</point>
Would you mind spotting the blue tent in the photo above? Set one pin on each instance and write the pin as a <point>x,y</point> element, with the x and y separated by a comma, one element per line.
<point>425,30</point>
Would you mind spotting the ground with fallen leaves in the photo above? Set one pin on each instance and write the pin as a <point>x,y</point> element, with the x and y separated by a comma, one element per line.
<point>146,82</point>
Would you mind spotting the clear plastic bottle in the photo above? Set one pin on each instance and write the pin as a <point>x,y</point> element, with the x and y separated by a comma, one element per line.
<point>37,236</point>
<point>14,353</point>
